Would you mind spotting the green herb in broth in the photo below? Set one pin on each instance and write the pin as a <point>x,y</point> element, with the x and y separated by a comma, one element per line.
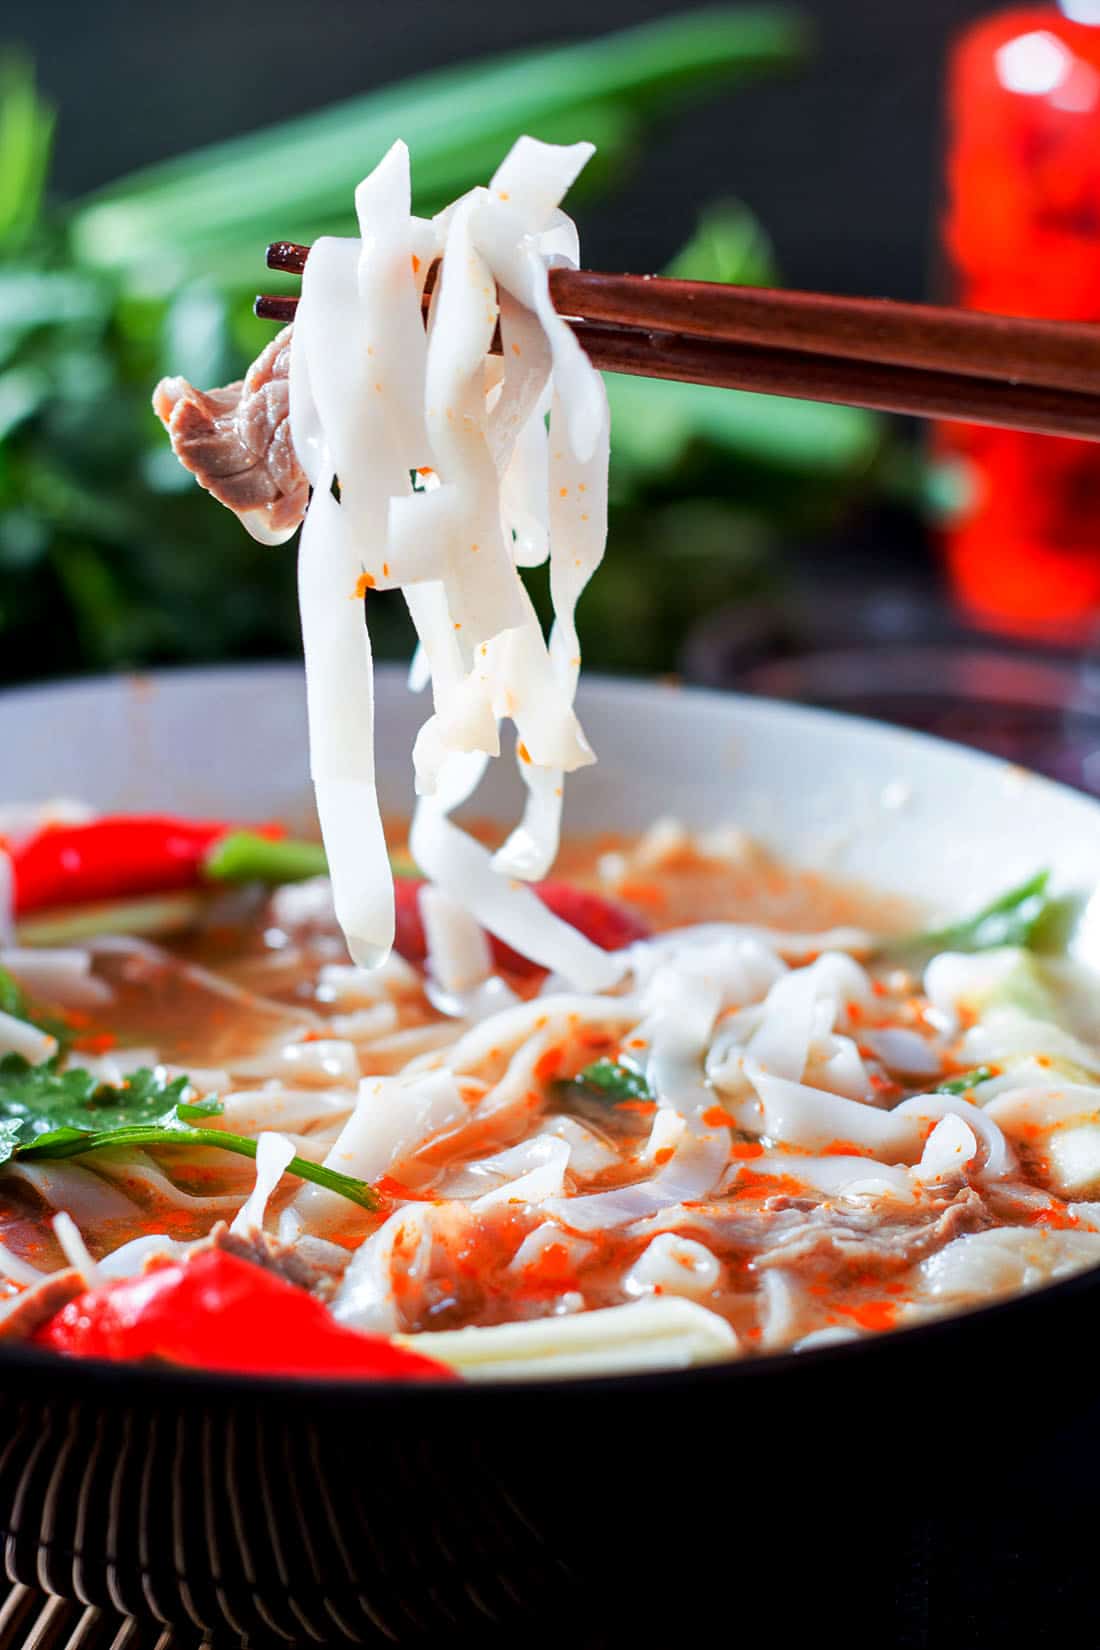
<point>13,999</point>
<point>966,1080</point>
<point>40,1098</point>
<point>46,1113</point>
<point>159,914</point>
<point>1024,916</point>
<point>244,856</point>
<point>62,1143</point>
<point>613,1081</point>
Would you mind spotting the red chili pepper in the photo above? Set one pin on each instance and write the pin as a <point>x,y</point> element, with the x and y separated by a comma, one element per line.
<point>113,858</point>
<point>607,925</point>
<point>215,1311</point>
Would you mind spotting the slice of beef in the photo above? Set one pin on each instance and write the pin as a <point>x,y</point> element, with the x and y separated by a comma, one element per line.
<point>837,1238</point>
<point>311,1263</point>
<point>236,442</point>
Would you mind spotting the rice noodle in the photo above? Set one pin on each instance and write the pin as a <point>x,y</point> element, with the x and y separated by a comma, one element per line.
<point>277,1107</point>
<point>18,1037</point>
<point>784,1308</point>
<point>543,1160</point>
<point>7,899</point>
<point>371,402</point>
<point>273,1154</point>
<point>366,1297</point>
<point>129,1259</point>
<point>75,1250</point>
<point>673,1265</point>
<point>18,1270</point>
<point>998,1155</point>
<point>392,1116</point>
<point>85,1195</point>
<point>61,975</point>
<point>949,1150</point>
<point>691,1173</point>
<point>135,1170</point>
<point>796,1115</point>
<point>323,1060</point>
<point>659,1333</point>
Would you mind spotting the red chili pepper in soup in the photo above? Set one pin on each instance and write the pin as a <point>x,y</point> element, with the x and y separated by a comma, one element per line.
<point>607,925</point>
<point>215,1311</point>
<point>113,858</point>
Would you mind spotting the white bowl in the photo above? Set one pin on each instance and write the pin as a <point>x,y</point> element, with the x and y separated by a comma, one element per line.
<point>898,810</point>
<point>141,1487</point>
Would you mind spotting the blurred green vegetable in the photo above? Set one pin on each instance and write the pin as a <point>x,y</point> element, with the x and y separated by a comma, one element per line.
<point>26,132</point>
<point>705,481</point>
<point>1016,918</point>
<point>111,557</point>
<point>211,212</point>
<point>655,422</point>
<point>244,856</point>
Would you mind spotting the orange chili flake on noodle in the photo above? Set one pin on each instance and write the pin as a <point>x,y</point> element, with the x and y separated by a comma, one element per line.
<point>716,1117</point>
<point>1058,1220</point>
<point>592,1038</point>
<point>768,1185</point>
<point>741,1150</point>
<point>551,1271</point>
<point>872,1314</point>
<point>549,1064</point>
<point>390,1187</point>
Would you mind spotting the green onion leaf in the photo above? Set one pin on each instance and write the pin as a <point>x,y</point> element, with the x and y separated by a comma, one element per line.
<point>244,856</point>
<point>71,924</point>
<point>46,1113</point>
<point>208,211</point>
<point>69,1142</point>
<point>614,1080</point>
<point>40,1099</point>
<point>1017,918</point>
<point>965,1081</point>
<point>13,999</point>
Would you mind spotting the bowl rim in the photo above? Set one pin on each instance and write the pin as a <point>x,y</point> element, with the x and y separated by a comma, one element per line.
<point>149,1380</point>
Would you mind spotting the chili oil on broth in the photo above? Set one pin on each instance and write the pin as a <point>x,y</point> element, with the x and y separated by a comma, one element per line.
<point>789,1263</point>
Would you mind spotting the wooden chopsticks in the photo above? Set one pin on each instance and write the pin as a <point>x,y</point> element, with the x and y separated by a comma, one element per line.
<point>930,362</point>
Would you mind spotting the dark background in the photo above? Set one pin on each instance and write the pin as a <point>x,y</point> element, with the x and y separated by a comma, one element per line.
<point>840,164</point>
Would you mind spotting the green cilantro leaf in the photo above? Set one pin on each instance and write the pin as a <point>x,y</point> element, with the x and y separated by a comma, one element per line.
<point>41,1098</point>
<point>46,1113</point>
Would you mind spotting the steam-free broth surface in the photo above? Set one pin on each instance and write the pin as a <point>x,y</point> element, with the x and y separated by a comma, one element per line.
<point>772,1131</point>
